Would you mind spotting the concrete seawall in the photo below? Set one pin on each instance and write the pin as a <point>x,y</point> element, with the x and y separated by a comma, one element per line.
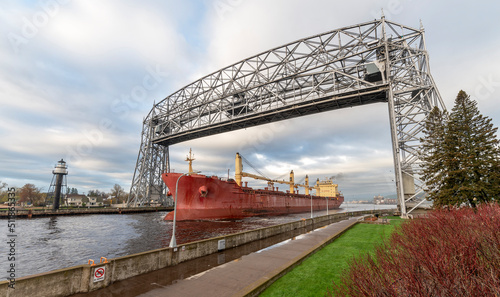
<point>86,278</point>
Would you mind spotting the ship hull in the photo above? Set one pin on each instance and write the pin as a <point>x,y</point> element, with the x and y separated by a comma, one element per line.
<point>205,198</point>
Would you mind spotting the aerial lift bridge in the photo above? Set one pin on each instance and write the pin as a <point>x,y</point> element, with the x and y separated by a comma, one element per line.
<point>374,62</point>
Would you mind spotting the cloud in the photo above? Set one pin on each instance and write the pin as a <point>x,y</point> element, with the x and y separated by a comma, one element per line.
<point>65,90</point>
<point>80,85</point>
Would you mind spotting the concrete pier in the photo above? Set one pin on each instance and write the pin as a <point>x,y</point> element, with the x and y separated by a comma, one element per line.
<point>127,270</point>
<point>249,275</point>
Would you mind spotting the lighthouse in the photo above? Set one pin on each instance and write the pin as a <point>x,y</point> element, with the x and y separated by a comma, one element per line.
<point>58,182</point>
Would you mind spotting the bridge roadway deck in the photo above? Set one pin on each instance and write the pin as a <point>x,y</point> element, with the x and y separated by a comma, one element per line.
<point>246,276</point>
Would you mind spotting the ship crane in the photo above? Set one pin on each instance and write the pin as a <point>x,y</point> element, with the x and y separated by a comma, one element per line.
<point>239,174</point>
<point>325,188</point>
<point>306,185</point>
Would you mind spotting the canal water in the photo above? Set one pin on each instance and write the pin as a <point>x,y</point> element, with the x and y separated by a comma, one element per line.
<point>44,244</point>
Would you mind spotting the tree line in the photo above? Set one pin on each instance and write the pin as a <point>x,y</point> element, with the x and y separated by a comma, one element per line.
<point>30,193</point>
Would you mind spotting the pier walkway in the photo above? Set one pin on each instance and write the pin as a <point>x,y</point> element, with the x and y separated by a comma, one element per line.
<point>245,276</point>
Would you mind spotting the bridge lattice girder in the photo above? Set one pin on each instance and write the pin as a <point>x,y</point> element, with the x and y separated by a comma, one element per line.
<point>377,61</point>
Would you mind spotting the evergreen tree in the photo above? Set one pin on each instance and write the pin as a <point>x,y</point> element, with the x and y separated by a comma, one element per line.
<point>461,156</point>
<point>433,157</point>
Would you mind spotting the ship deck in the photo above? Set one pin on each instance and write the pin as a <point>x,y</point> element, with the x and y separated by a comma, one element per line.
<point>249,190</point>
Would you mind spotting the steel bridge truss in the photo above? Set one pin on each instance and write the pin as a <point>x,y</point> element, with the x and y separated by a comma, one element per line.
<point>377,61</point>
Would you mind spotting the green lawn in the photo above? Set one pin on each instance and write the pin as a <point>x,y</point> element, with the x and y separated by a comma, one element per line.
<point>314,276</point>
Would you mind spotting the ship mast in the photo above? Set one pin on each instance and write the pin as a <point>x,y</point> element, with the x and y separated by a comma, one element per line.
<point>305,185</point>
<point>190,159</point>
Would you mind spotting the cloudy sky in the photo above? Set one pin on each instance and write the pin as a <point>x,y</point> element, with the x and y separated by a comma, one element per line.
<point>69,70</point>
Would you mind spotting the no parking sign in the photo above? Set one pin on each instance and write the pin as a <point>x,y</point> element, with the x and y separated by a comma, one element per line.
<point>99,273</point>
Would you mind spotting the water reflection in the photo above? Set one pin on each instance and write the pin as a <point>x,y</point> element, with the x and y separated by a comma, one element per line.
<point>52,225</point>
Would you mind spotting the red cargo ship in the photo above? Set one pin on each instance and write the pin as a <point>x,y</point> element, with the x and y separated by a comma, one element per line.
<point>203,197</point>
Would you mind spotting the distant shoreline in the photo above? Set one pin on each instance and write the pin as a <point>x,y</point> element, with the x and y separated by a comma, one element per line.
<point>25,213</point>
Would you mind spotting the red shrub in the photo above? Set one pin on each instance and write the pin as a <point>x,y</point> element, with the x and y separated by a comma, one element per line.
<point>450,253</point>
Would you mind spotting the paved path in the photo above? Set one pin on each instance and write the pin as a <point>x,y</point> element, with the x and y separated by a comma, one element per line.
<point>250,274</point>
